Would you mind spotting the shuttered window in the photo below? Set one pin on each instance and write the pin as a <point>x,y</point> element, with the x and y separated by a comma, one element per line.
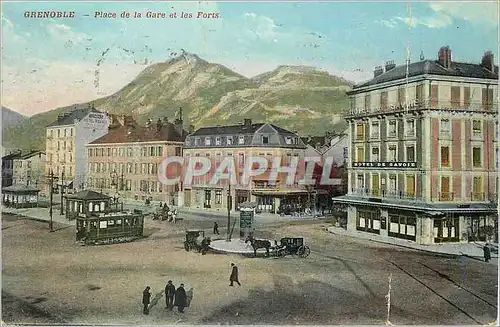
<point>420,94</point>
<point>383,101</point>
<point>455,96</point>
<point>467,97</point>
<point>445,156</point>
<point>367,102</point>
<point>434,96</point>
<point>487,99</point>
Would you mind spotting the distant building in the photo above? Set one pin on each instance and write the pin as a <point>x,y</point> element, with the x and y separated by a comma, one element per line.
<point>29,169</point>
<point>124,163</point>
<point>8,167</point>
<point>66,139</point>
<point>240,142</point>
<point>423,151</point>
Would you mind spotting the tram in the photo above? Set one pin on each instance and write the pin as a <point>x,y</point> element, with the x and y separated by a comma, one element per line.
<point>109,228</point>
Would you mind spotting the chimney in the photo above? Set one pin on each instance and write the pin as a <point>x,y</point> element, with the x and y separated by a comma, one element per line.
<point>389,65</point>
<point>378,71</point>
<point>159,125</point>
<point>149,122</point>
<point>488,62</point>
<point>179,126</point>
<point>444,57</point>
<point>247,122</point>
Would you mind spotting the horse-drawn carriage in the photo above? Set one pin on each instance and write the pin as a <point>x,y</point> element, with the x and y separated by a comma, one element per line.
<point>195,239</point>
<point>292,246</point>
<point>165,214</point>
<point>288,245</point>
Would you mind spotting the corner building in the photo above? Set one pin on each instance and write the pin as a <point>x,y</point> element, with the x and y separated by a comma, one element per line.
<point>424,151</point>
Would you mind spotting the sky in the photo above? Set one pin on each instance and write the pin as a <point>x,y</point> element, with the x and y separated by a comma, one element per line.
<point>52,62</point>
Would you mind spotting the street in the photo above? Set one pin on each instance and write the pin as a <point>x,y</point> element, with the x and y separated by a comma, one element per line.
<point>47,278</point>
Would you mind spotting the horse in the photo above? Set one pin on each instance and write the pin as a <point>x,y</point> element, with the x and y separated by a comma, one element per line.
<point>258,244</point>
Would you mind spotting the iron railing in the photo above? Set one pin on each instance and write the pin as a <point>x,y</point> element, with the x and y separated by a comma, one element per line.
<point>420,105</point>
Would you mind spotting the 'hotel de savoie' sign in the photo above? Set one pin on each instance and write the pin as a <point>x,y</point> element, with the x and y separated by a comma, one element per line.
<point>383,164</point>
<point>412,104</point>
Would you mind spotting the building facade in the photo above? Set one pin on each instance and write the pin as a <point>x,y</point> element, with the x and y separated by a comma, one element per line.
<point>423,151</point>
<point>66,139</point>
<point>8,167</point>
<point>29,169</point>
<point>241,142</point>
<point>124,163</point>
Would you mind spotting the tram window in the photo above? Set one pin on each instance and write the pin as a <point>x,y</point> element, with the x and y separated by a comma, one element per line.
<point>96,207</point>
<point>127,222</point>
<point>90,206</point>
<point>119,222</point>
<point>103,224</point>
<point>94,224</point>
<point>102,206</point>
<point>111,222</point>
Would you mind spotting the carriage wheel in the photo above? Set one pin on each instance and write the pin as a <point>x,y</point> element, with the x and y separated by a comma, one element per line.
<point>303,251</point>
<point>281,253</point>
<point>186,246</point>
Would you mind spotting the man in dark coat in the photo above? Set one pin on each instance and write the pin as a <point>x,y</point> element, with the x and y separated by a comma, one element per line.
<point>486,252</point>
<point>180,298</point>
<point>146,299</point>
<point>169,294</point>
<point>234,275</point>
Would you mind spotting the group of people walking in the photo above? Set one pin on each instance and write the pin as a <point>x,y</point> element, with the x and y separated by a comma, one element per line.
<point>178,297</point>
<point>173,298</point>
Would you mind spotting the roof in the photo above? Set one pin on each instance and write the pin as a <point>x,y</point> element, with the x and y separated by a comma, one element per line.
<point>68,118</point>
<point>11,156</point>
<point>314,140</point>
<point>237,129</point>
<point>88,195</point>
<point>432,67</point>
<point>132,134</point>
<point>20,188</point>
<point>30,154</point>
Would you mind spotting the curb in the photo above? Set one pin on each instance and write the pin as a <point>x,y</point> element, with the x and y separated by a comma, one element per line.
<point>443,254</point>
<point>38,219</point>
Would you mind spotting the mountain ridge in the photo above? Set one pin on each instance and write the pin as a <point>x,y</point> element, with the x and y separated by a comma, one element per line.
<point>301,98</point>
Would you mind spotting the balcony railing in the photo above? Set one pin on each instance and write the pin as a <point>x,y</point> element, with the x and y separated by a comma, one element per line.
<point>418,105</point>
<point>477,196</point>
<point>446,196</point>
<point>394,194</point>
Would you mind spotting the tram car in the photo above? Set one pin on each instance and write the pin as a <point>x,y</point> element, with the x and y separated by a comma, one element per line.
<point>109,228</point>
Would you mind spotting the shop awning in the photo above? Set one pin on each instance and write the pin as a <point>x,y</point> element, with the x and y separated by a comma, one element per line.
<point>436,209</point>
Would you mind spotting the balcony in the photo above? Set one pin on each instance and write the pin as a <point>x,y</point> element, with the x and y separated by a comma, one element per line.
<point>446,196</point>
<point>416,106</point>
<point>392,194</point>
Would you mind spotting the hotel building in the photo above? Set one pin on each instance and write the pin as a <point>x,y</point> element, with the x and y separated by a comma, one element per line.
<point>124,163</point>
<point>423,151</point>
<point>240,142</point>
<point>66,139</point>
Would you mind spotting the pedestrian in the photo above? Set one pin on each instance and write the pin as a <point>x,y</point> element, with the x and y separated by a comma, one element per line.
<point>161,205</point>
<point>234,275</point>
<point>169,295</point>
<point>216,228</point>
<point>146,298</point>
<point>486,252</point>
<point>180,298</point>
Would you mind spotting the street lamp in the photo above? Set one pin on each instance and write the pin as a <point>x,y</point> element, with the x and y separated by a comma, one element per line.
<point>51,192</point>
<point>62,191</point>
<point>229,205</point>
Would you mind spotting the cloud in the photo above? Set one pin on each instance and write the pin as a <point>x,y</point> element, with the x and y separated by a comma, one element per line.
<point>439,20</point>
<point>479,12</point>
<point>391,23</point>
<point>263,27</point>
<point>38,85</point>
<point>62,32</point>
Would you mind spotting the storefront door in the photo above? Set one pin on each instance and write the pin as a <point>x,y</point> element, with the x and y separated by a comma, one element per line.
<point>368,220</point>
<point>446,229</point>
<point>208,199</point>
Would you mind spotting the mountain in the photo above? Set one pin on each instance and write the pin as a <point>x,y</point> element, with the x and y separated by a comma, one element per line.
<point>11,117</point>
<point>298,98</point>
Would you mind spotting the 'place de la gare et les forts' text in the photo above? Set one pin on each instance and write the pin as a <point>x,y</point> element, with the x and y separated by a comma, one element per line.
<point>124,14</point>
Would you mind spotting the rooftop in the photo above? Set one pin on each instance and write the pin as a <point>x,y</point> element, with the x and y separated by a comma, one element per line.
<point>249,128</point>
<point>88,195</point>
<point>68,118</point>
<point>133,133</point>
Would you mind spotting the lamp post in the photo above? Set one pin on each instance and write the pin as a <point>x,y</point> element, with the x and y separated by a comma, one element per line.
<point>51,192</point>
<point>62,191</point>
<point>229,205</point>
